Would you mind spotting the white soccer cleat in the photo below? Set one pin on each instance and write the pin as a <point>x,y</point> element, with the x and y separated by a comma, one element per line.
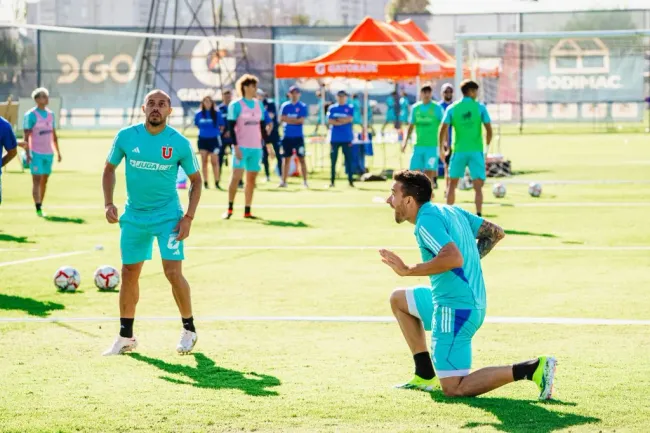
<point>187,342</point>
<point>122,345</point>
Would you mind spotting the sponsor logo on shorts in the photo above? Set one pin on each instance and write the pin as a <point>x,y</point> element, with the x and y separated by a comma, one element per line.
<point>153,166</point>
<point>173,244</point>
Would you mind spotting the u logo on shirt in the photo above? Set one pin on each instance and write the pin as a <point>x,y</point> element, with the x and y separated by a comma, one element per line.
<point>167,152</point>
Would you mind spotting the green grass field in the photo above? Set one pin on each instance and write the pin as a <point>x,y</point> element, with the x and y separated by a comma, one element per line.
<point>582,250</point>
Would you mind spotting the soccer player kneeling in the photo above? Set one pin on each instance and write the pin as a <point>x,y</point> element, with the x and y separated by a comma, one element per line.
<point>452,241</point>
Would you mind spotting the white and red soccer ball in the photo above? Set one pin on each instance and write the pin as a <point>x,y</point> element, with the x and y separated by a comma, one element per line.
<point>67,279</point>
<point>499,190</point>
<point>535,189</point>
<point>107,278</point>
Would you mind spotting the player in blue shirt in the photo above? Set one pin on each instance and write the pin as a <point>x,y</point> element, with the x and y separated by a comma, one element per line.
<point>153,152</point>
<point>452,242</point>
<point>340,116</point>
<point>9,144</point>
<point>447,92</point>
<point>293,114</point>
<point>210,123</point>
<point>273,138</point>
<point>392,108</point>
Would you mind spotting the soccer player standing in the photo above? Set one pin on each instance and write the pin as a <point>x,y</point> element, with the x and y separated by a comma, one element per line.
<point>426,116</point>
<point>226,140</point>
<point>210,123</point>
<point>40,135</point>
<point>153,153</point>
<point>452,242</point>
<point>466,117</point>
<point>294,113</point>
<point>9,144</point>
<point>447,92</point>
<point>340,116</point>
<point>247,130</point>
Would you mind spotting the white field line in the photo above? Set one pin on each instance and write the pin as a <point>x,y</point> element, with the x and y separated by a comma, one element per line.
<point>344,319</point>
<point>359,205</point>
<point>38,259</point>
<point>378,247</point>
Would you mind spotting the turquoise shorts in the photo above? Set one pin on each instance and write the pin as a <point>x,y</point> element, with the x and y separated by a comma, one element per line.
<point>390,117</point>
<point>41,163</point>
<point>251,159</point>
<point>474,160</point>
<point>451,331</point>
<point>424,158</point>
<point>138,232</point>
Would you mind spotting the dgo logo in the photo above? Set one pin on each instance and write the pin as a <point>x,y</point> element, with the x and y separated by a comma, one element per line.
<point>320,69</point>
<point>213,62</point>
<point>94,69</point>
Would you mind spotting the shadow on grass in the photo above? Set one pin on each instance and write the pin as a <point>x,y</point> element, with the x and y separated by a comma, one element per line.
<point>525,233</point>
<point>519,415</point>
<point>28,305</point>
<point>60,219</point>
<point>522,172</point>
<point>11,238</point>
<point>279,223</point>
<point>207,374</point>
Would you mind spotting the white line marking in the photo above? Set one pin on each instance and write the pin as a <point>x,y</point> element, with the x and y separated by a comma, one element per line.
<point>374,204</point>
<point>26,250</point>
<point>38,259</point>
<point>378,247</point>
<point>345,319</point>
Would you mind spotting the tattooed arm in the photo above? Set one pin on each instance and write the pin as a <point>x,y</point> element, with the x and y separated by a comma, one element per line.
<point>488,236</point>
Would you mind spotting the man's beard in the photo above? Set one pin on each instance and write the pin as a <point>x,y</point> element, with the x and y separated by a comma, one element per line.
<point>152,122</point>
<point>448,99</point>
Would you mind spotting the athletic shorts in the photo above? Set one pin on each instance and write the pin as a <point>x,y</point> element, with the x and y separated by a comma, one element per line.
<point>251,159</point>
<point>289,144</point>
<point>451,331</point>
<point>212,145</point>
<point>474,160</point>
<point>424,158</point>
<point>137,232</point>
<point>41,163</point>
<point>390,117</point>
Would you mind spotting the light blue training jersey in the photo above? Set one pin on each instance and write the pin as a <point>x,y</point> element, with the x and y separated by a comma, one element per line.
<point>436,226</point>
<point>152,163</point>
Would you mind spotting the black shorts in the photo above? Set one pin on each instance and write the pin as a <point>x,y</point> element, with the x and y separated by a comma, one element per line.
<point>210,144</point>
<point>289,144</point>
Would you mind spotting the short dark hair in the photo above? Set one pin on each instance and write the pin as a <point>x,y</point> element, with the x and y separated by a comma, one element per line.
<point>426,88</point>
<point>245,81</point>
<point>468,85</point>
<point>415,184</point>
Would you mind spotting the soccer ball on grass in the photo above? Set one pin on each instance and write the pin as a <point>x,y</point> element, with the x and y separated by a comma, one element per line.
<point>535,189</point>
<point>499,190</point>
<point>106,278</point>
<point>67,279</point>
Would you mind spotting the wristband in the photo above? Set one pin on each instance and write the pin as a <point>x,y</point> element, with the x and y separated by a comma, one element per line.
<point>190,217</point>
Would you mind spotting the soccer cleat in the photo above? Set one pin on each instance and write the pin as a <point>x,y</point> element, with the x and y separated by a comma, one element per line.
<point>544,377</point>
<point>305,185</point>
<point>40,213</point>
<point>205,185</point>
<point>187,342</point>
<point>121,345</point>
<point>250,216</point>
<point>227,214</point>
<point>418,383</point>
<point>282,185</point>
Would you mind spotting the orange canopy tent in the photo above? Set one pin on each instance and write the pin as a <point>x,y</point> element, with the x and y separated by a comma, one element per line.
<point>417,34</point>
<point>371,62</point>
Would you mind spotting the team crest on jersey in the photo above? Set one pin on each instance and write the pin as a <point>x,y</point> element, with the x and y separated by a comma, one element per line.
<point>167,152</point>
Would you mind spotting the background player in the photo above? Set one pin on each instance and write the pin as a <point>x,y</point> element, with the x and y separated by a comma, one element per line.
<point>40,134</point>
<point>210,124</point>
<point>391,115</point>
<point>294,113</point>
<point>452,241</point>
<point>153,151</point>
<point>226,139</point>
<point>273,137</point>
<point>9,144</point>
<point>340,116</point>
<point>247,130</point>
<point>426,116</point>
<point>465,117</point>
<point>447,92</point>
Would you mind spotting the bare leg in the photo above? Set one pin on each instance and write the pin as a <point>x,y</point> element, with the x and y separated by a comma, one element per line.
<point>478,382</point>
<point>285,168</point>
<point>180,287</point>
<point>478,194</point>
<point>303,167</point>
<point>43,186</point>
<point>249,188</point>
<point>411,326</point>
<point>36,188</point>
<point>214,160</point>
<point>237,174</point>
<point>451,193</point>
<point>204,165</point>
<point>130,289</point>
